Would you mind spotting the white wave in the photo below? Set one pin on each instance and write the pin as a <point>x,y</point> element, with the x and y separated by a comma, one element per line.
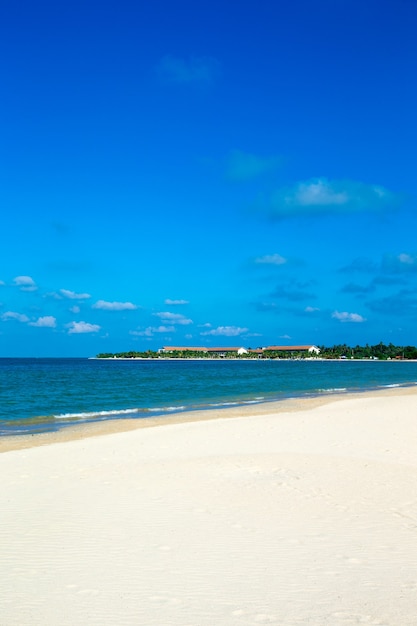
<point>88,414</point>
<point>224,404</point>
<point>158,409</point>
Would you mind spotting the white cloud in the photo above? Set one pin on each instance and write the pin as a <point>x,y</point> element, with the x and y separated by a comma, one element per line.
<point>344,316</point>
<point>151,330</point>
<point>271,259</point>
<point>403,263</point>
<point>319,195</point>
<point>82,327</point>
<point>75,309</point>
<point>175,302</point>
<point>311,309</point>
<point>163,329</point>
<point>26,283</point>
<point>48,321</point>
<point>71,295</point>
<point>226,331</point>
<point>173,318</point>
<point>407,259</point>
<point>52,294</point>
<point>114,306</point>
<point>12,315</point>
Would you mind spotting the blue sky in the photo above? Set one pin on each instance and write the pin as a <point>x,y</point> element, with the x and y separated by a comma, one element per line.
<point>207,173</point>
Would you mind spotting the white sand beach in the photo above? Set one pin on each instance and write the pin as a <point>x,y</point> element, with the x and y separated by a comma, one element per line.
<point>285,518</point>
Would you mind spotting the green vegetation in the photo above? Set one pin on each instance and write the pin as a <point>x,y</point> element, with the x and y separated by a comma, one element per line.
<point>149,354</point>
<point>175,354</point>
<point>379,351</point>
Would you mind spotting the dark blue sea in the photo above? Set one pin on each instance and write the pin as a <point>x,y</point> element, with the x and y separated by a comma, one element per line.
<point>38,395</point>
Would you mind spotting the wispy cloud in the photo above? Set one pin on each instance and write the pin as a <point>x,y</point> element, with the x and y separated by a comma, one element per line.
<point>12,315</point>
<point>25,283</point>
<point>151,330</point>
<point>170,302</point>
<point>75,309</point>
<point>114,306</point>
<point>47,321</point>
<point>225,331</point>
<point>82,327</point>
<point>266,307</point>
<point>323,196</point>
<point>407,259</point>
<point>293,291</point>
<point>403,263</point>
<point>295,310</point>
<point>344,316</point>
<point>202,71</point>
<point>241,166</point>
<point>71,295</point>
<point>357,289</point>
<point>271,259</point>
<point>163,329</point>
<point>399,304</point>
<point>390,270</point>
<point>389,281</point>
<point>360,265</point>
<point>173,318</point>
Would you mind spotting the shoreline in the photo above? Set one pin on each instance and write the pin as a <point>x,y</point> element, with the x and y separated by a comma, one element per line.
<point>111,426</point>
<point>251,359</point>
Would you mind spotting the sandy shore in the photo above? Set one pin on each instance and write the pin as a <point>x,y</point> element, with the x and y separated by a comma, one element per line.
<point>305,517</point>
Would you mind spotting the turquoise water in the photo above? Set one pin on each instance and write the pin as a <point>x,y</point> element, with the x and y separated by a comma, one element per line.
<point>38,395</point>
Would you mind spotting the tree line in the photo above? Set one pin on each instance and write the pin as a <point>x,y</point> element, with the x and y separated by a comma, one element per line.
<point>378,351</point>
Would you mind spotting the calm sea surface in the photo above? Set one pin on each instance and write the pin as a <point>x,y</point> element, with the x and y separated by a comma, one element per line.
<point>38,395</point>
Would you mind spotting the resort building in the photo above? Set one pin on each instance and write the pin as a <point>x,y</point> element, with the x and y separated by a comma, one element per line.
<point>171,349</point>
<point>220,352</point>
<point>239,351</point>
<point>258,351</point>
<point>310,349</point>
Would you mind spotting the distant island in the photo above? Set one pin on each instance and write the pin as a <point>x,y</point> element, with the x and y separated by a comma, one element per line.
<point>379,351</point>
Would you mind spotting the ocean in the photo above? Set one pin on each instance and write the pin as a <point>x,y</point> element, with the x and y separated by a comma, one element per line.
<point>39,395</point>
